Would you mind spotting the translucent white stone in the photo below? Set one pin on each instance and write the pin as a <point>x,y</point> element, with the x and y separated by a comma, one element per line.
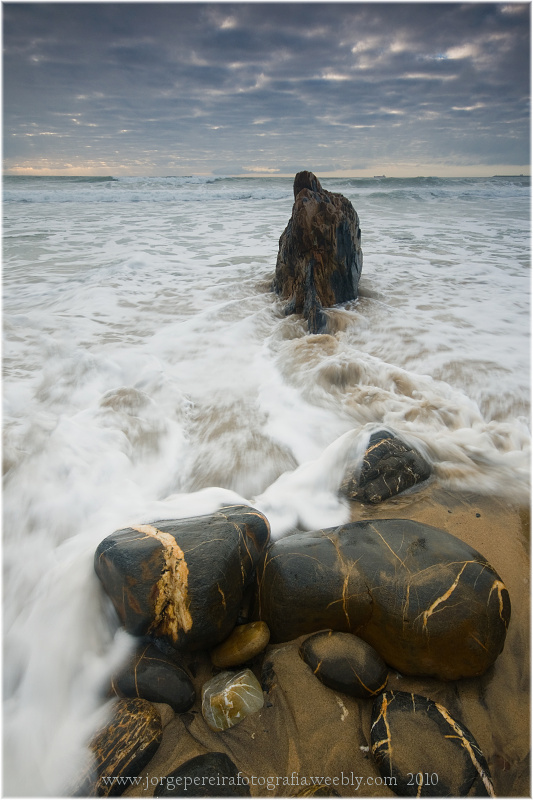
<point>229,697</point>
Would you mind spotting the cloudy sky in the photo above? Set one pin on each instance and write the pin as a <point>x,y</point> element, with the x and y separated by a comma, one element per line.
<point>224,88</point>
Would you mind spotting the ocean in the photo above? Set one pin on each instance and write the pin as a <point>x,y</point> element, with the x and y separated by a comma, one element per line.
<point>150,373</point>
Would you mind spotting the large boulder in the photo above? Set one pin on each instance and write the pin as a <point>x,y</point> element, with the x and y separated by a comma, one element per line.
<point>182,581</point>
<point>320,258</point>
<point>426,601</point>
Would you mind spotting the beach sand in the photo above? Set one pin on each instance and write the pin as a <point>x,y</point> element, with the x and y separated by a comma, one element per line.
<point>307,730</point>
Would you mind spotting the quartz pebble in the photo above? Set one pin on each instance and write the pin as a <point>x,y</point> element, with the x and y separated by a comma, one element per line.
<point>245,642</point>
<point>230,697</point>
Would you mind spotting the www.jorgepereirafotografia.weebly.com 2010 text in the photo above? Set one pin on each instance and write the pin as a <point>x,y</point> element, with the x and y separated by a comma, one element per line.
<point>269,783</point>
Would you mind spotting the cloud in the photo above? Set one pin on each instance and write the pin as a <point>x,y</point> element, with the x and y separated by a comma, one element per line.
<point>262,170</point>
<point>216,86</point>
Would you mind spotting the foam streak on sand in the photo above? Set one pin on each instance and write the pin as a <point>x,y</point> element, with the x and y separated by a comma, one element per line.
<point>150,373</point>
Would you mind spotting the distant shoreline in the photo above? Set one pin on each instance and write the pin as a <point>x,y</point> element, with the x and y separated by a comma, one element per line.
<point>265,177</point>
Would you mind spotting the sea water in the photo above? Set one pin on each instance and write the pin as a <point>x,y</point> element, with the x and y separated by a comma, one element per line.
<point>149,373</point>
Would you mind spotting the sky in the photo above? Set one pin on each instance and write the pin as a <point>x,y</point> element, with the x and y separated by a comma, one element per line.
<point>266,88</point>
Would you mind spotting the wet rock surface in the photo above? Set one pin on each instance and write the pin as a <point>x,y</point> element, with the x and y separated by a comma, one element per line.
<point>183,580</point>
<point>230,697</point>
<point>154,676</point>
<point>426,601</point>
<point>320,258</point>
<point>345,663</point>
<point>125,746</point>
<point>390,466</point>
<point>244,643</point>
<point>417,742</point>
<point>209,775</point>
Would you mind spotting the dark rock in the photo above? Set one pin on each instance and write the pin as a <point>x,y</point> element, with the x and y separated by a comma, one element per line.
<point>426,601</point>
<point>320,258</point>
<point>155,677</point>
<point>126,745</point>
<point>209,775</point>
<point>183,580</point>
<point>428,754</point>
<point>389,467</point>
<point>346,663</point>
<point>243,643</point>
<point>246,606</point>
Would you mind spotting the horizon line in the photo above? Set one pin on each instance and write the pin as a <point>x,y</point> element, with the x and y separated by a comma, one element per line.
<point>262,176</point>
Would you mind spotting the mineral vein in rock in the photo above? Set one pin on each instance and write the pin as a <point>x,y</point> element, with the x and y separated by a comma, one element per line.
<point>498,585</point>
<point>389,547</point>
<point>171,612</point>
<point>387,741</point>
<point>368,689</point>
<point>468,747</point>
<point>443,597</point>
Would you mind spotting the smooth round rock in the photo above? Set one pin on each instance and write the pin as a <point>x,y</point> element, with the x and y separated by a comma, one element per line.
<point>416,742</point>
<point>209,775</point>
<point>183,580</point>
<point>126,745</point>
<point>345,663</point>
<point>230,697</point>
<point>155,677</point>
<point>426,601</point>
<point>244,643</point>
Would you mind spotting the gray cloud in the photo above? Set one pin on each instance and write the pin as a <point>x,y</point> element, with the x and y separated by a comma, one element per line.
<point>192,87</point>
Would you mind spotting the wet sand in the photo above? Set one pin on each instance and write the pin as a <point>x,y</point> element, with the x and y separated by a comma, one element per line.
<point>306,730</point>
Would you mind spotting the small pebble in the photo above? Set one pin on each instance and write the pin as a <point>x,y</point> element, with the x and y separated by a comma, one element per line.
<point>230,697</point>
<point>243,644</point>
<point>345,663</point>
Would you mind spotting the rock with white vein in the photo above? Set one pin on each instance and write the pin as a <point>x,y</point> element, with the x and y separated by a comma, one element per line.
<point>183,580</point>
<point>423,751</point>
<point>230,697</point>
